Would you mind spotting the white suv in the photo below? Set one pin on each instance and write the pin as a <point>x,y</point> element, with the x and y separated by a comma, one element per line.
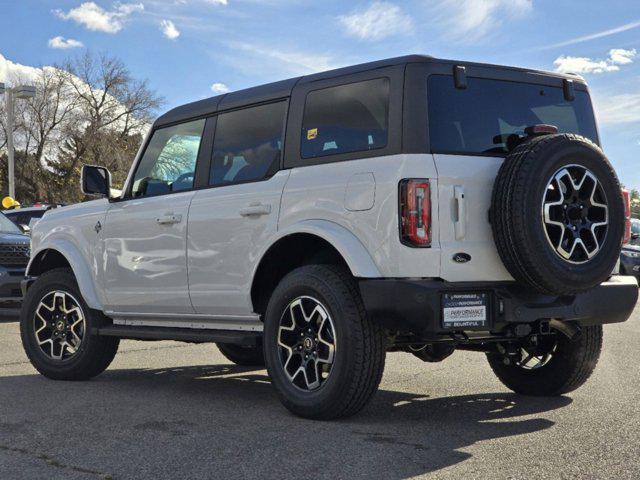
<point>314,224</point>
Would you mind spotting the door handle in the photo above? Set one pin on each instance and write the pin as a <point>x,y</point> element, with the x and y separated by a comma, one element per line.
<point>461,212</point>
<point>255,210</point>
<point>169,219</point>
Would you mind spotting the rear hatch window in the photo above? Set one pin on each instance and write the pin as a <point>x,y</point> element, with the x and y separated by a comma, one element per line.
<point>476,119</point>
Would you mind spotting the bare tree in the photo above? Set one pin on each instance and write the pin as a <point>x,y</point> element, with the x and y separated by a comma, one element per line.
<point>88,110</point>
<point>114,113</point>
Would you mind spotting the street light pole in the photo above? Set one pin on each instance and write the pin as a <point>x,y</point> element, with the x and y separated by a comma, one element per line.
<point>10,149</point>
<point>21,91</point>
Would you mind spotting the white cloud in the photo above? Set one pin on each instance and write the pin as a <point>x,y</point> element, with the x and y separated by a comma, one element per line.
<point>62,43</point>
<point>10,71</point>
<point>618,109</point>
<point>378,21</point>
<point>94,17</point>
<point>290,61</point>
<point>218,2</point>
<point>219,88</point>
<point>620,56</point>
<point>169,29</point>
<point>471,20</point>
<point>582,65</point>
<point>579,65</point>
<point>594,36</point>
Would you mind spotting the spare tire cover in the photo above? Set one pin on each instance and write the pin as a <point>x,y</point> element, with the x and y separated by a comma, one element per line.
<point>557,214</point>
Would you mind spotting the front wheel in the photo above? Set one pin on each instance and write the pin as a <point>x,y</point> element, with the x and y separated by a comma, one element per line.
<point>324,356</point>
<point>56,327</point>
<point>554,366</point>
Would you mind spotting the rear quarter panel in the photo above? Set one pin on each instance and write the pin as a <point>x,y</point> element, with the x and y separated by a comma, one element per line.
<point>323,192</point>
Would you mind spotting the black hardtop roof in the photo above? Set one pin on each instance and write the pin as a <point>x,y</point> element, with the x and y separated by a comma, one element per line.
<point>283,88</point>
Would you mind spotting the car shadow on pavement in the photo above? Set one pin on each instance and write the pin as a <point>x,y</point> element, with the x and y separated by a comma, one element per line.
<point>224,421</point>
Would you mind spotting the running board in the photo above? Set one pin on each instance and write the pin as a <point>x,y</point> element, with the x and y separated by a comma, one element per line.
<point>180,334</point>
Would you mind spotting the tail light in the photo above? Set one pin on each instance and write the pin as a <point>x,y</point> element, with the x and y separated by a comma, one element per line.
<point>626,195</point>
<point>415,212</point>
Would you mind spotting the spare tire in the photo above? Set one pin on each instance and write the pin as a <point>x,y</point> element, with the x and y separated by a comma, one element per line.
<point>557,214</point>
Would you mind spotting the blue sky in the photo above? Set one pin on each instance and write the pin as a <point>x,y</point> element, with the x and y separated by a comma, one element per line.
<point>190,49</point>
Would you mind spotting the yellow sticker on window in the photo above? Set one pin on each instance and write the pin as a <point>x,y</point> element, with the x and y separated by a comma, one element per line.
<point>312,133</point>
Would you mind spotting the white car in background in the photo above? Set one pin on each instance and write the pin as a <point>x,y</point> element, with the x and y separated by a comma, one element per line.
<point>411,204</point>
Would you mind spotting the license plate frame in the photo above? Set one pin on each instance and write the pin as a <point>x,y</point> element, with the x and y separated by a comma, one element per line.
<point>466,311</point>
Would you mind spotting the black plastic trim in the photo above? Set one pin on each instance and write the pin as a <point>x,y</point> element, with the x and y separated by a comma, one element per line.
<point>203,163</point>
<point>569,93</point>
<point>460,77</point>
<point>415,305</point>
<point>180,334</point>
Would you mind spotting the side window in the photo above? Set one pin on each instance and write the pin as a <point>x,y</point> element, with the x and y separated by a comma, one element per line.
<point>248,144</point>
<point>169,162</point>
<point>347,118</point>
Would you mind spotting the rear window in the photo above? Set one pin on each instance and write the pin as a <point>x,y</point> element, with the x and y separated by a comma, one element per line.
<point>347,118</point>
<point>479,118</point>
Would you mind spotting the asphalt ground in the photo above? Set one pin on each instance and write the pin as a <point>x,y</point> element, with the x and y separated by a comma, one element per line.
<point>171,410</point>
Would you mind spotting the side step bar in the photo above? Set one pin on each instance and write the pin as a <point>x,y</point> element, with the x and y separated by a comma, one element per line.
<point>180,334</point>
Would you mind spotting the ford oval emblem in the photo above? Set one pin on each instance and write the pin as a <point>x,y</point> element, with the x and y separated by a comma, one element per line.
<point>462,257</point>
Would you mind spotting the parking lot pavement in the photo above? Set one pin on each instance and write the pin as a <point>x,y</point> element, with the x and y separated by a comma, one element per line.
<point>168,410</point>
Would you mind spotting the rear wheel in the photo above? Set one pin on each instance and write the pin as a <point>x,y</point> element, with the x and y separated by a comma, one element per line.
<point>244,355</point>
<point>324,356</point>
<point>554,366</point>
<point>56,327</point>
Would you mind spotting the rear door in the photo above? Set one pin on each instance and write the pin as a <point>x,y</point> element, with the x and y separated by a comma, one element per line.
<point>232,219</point>
<point>468,130</point>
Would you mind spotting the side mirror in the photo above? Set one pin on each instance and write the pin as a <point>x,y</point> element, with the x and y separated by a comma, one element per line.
<point>95,181</point>
<point>635,236</point>
<point>25,229</point>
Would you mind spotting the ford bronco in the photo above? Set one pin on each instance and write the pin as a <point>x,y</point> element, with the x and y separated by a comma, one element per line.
<point>314,224</point>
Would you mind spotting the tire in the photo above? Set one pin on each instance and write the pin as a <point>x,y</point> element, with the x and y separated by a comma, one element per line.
<point>531,247</point>
<point>359,344</point>
<point>247,356</point>
<point>569,368</point>
<point>93,355</point>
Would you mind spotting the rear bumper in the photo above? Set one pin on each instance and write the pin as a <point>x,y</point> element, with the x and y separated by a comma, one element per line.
<point>415,306</point>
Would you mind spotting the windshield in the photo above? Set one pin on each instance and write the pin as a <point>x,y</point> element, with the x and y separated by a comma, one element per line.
<point>479,118</point>
<point>635,227</point>
<point>7,226</point>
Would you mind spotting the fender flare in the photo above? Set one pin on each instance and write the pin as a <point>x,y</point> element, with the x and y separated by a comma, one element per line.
<point>346,243</point>
<point>83,274</point>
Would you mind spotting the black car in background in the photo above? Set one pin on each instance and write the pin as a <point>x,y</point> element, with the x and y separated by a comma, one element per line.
<point>25,217</point>
<point>630,256</point>
<point>14,256</point>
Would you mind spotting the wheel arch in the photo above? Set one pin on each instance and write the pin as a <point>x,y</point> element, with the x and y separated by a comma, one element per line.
<point>314,241</point>
<point>65,255</point>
